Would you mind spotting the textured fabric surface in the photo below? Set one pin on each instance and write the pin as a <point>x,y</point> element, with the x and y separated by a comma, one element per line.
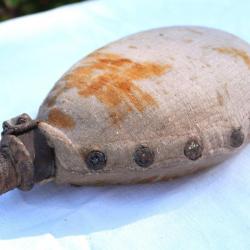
<point>209,210</point>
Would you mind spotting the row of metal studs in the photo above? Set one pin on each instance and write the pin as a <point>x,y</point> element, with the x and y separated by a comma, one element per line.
<point>144,156</point>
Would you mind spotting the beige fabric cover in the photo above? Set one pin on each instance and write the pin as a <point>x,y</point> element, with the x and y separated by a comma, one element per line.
<point>157,88</point>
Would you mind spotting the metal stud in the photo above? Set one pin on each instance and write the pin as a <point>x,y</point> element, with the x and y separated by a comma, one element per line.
<point>193,149</point>
<point>144,156</point>
<point>96,160</point>
<point>237,138</point>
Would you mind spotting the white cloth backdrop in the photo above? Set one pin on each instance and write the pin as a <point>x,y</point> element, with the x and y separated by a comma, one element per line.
<point>210,210</point>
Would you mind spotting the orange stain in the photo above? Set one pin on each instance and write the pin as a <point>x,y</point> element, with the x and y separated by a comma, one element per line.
<point>187,40</point>
<point>55,92</point>
<point>166,178</point>
<point>148,180</point>
<point>110,78</point>
<point>132,47</point>
<point>60,119</point>
<point>235,53</point>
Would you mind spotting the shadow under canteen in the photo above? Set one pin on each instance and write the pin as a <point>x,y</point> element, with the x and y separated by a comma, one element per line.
<point>67,210</point>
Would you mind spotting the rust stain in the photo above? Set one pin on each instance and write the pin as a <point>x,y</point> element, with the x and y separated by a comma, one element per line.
<point>164,178</point>
<point>110,78</point>
<point>132,47</point>
<point>167,178</point>
<point>195,31</point>
<point>187,40</point>
<point>117,116</point>
<point>55,92</point>
<point>220,98</point>
<point>235,53</point>
<point>193,78</point>
<point>147,180</point>
<point>60,119</point>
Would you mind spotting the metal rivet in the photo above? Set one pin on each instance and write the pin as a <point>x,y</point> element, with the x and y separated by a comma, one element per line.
<point>237,138</point>
<point>193,149</point>
<point>96,160</point>
<point>144,156</point>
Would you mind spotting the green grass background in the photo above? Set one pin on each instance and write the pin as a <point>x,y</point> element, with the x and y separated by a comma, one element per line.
<point>14,8</point>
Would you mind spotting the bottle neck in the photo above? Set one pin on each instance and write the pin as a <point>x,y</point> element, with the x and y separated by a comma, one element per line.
<point>25,156</point>
<point>8,175</point>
